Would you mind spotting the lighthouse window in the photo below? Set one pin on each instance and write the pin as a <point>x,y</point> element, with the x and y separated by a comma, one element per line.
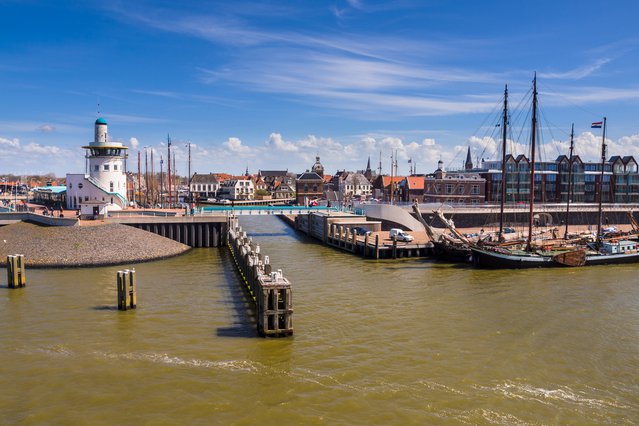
<point>106,167</point>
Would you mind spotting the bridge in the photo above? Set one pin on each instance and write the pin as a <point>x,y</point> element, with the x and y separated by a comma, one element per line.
<point>261,210</point>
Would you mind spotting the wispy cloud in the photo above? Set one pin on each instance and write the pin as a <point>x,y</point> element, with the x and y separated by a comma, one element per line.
<point>577,73</point>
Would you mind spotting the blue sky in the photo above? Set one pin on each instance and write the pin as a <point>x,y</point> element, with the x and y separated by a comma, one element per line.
<point>272,84</point>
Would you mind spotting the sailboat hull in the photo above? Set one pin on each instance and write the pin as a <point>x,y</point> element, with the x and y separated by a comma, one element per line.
<point>491,259</point>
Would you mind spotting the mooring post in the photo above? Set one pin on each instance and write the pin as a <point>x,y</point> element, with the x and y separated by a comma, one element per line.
<point>394,246</point>
<point>376,246</point>
<point>127,294</point>
<point>366,244</point>
<point>354,241</point>
<point>15,271</point>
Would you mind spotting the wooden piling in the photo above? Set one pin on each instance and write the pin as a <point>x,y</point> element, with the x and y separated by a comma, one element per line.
<point>270,291</point>
<point>16,277</point>
<point>127,293</point>
<point>366,245</point>
<point>376,246</point>
<point>394,247</point>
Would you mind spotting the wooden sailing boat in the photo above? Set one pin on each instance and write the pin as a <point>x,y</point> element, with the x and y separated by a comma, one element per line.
<point>501,257</point>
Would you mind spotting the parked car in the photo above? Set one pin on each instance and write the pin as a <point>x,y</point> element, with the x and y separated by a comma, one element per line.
<point>400,234</point>
<point>360,230</point>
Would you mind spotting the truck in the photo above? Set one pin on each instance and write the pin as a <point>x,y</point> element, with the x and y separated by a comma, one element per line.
<point>400,235</point>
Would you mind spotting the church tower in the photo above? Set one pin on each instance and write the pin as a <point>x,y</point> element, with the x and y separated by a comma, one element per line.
<point>368,173</point>
<point>469,161</point>
<point>317,167</point>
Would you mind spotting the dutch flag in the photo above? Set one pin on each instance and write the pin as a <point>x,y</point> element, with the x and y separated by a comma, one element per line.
<point>596,125</point>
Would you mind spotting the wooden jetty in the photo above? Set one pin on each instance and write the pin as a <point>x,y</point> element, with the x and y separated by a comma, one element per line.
<point>338,231</point>
<point>270,290</point>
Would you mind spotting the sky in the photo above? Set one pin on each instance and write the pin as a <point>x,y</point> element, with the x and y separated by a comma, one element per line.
<point>271,84</point>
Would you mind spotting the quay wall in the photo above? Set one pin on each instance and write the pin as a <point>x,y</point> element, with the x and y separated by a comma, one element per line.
<point>209,231</point>
<point>544,217</point>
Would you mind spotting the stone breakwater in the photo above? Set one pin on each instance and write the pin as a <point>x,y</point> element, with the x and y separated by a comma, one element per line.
<point>110,244</point>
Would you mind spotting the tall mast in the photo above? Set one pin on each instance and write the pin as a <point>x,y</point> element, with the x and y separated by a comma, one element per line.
<point>168,170</point>
<point>391,180</point>
<point>601,182</point>
<point>533,140</point>
<point>572,146</point>
<point>139,193</point>
<point>503,163</point>
<point>189,178</point>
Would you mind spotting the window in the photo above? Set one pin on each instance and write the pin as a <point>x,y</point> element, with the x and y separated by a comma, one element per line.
<point>70,185</point>
<point>96,168</point>
<point>474,190</point>
<point>80,186</point>
<point>115,167</point>
<point>106,167</point>
<point>449,188</point>
<point>461,189</point>
<point>110,186</point>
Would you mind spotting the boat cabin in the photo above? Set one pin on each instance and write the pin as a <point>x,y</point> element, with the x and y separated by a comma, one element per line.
<point>619,247</point>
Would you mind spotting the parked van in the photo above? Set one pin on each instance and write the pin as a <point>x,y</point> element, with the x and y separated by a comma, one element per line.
<point>400,234</point>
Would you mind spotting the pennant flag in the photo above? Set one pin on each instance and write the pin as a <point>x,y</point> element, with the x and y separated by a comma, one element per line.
<point>596,125</point>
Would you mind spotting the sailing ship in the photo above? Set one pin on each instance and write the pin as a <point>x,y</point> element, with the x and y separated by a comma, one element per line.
<point>454,247</point>
<point>550,253</point>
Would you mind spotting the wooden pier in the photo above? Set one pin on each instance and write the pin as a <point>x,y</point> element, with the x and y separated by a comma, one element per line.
<point>270,290</point>
<point>337,231</point>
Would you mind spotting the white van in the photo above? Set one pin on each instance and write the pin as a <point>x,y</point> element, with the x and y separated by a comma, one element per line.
<point>400,234</point>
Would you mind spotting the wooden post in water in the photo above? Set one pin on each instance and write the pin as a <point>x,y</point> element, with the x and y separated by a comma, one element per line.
<point>366,245</point>
<point>354,239</point>
<point>394,246</point>
<point>127,294</point>
<point>376,246</point>
<point>16,277</point>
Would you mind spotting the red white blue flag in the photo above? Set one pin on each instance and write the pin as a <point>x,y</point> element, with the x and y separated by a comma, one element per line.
<point>596,125</point>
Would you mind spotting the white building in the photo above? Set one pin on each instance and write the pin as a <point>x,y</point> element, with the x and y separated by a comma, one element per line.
<point>355,185</point>
<point>103,189</point>
<point>237,189</point>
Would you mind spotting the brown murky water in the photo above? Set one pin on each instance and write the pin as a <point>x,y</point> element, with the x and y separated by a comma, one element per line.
<point>376,342</point>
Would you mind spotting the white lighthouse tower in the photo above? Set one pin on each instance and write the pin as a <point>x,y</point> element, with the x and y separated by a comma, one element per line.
<point>103,188</point>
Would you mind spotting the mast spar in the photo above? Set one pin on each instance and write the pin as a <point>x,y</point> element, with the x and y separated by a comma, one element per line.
<point>601,183</point>
<point>503,164</point>
<point>572,146</point>
<point>532,164</point>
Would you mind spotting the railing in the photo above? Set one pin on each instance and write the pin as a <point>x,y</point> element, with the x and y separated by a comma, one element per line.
<point>99,185</point>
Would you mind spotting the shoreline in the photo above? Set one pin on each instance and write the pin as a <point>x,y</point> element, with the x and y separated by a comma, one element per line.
<point>84,247</point>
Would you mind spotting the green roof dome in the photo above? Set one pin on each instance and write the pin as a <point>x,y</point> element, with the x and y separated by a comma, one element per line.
<point>100,121</point>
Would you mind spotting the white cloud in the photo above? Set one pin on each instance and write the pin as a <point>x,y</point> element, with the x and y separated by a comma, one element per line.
<point>47,128</point>
<point>577,73</point>
<point>12,143</point>
<point>276,141</point>
<point>235,145</point>
<point>35,148</point>
<point>134,143</point>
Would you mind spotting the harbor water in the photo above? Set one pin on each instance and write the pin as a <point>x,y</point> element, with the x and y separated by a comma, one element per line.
<point>410,341</point>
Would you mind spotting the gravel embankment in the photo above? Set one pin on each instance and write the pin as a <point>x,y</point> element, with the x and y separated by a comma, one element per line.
<point>75,246</point>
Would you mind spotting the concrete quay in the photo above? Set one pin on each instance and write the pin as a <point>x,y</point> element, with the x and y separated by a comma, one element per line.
<point>336,230</point>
